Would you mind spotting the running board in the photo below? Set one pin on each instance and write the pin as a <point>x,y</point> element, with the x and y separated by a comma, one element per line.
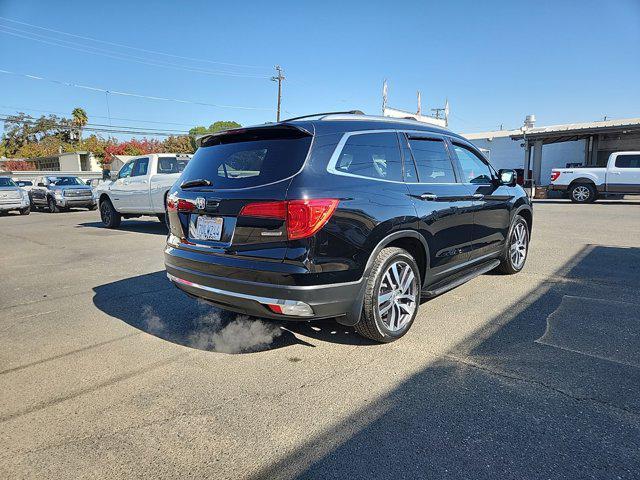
<point>451,283</point>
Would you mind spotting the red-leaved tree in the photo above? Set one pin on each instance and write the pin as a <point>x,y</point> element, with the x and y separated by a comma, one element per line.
<point>132,147</point>
<point>18,165</point>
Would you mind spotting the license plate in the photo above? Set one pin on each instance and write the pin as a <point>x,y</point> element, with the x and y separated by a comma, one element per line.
<point>208,228</point>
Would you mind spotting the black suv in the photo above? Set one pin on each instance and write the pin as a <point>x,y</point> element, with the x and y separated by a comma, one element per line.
<point>341,215</point>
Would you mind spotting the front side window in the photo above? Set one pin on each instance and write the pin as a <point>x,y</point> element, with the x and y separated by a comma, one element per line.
<point>125,171</point>
<point>628,161</point>
<point>432,160</point>
<point>140,168</point>
<point>371,155</point>
<point>474,169</point>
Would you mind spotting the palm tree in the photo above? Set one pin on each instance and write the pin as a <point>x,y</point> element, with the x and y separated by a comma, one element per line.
<point>80,119</point>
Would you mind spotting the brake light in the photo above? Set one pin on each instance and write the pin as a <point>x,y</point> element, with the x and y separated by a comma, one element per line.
<point>303,217</point>
<point>179,205</point>
<point>306,217</point>
<point>554,176</point>
<point>276,210</point>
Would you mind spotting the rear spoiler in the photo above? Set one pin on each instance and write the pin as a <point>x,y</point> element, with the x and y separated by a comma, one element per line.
<point>274,127</point>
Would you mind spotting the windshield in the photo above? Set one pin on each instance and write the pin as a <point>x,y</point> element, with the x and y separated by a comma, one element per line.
<point>62,181</point>
<point>7,182</point>
<point>248,159</point>
<point>24,183</point>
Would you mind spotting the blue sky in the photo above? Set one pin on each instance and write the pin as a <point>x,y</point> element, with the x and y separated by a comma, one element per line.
<point>495,61</point>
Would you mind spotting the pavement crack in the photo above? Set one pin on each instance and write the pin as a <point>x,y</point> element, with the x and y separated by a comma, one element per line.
<point>565,393</point>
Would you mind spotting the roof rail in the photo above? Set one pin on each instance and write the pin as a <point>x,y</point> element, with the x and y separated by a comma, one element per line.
<point>350,112</point>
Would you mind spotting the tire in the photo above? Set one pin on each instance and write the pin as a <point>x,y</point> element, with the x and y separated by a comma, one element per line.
<point>25,211</point>
<point>388,320</point>
<point>164,218</point>
<point>109,215</point>
<point>583,193</point>
<point>515,253</point>
<point>51,205</point>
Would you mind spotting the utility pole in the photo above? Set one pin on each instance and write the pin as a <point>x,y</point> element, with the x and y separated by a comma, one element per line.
<point>278,78</point>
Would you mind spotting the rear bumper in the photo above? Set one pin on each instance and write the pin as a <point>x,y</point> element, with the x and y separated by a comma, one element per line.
<point>343,300</point>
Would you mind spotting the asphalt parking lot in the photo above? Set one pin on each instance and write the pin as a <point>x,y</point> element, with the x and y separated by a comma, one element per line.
<point>107,371</point>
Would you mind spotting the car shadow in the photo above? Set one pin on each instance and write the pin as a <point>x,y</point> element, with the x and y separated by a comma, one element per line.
<point>547,388</point>
<point>152,304</point>
<point>138,226</point>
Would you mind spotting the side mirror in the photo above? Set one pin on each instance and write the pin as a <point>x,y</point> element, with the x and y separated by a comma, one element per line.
<point>507,177</point>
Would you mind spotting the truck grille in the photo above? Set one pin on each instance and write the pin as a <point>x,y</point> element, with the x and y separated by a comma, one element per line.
<point>10,196</point>
<point>77,193</point>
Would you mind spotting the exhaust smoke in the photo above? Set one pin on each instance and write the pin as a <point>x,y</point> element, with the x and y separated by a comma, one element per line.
<point>216,331</point>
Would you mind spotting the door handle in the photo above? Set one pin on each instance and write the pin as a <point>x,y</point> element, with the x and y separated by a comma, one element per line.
<point>428,196</point>
<point>478,196</point>
<point>614,173</point>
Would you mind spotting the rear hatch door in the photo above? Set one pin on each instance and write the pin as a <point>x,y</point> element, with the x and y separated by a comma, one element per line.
<point>230,198</point>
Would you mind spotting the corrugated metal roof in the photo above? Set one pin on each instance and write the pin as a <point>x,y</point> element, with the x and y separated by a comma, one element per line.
<point>551,129</point>
<point>491,134</point>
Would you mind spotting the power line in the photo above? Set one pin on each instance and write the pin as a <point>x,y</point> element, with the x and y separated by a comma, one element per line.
<point>130,47</point>
<point>130,94</point>
<point>123,56</point>
<point>139,120</point>
<point>100,128</point>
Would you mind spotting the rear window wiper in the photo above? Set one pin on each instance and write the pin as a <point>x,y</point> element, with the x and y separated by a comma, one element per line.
<point>198,182</point>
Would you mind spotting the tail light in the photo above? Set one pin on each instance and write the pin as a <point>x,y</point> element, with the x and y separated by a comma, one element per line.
<point>179,205</point>
<point>554,176</point>
<point>303,217</point>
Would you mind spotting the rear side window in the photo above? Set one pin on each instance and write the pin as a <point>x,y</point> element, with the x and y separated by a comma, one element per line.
<point>628,161</point>
<point>371,155</point>
<point>432,161</point>
<point>249,158</point>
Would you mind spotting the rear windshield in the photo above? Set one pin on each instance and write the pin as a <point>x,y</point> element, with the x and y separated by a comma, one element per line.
<point>249,158</point>
<point>172,164</point>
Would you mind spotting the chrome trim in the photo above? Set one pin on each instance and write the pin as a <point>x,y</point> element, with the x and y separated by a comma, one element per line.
<point>470,262</point>
<point>218,291</point>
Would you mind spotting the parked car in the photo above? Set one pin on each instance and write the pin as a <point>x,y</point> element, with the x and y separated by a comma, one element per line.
<point>61,192</point>
<point>341,215</point>
<point>621,176</point>
<point>12,197</point>
<point>140,188</point>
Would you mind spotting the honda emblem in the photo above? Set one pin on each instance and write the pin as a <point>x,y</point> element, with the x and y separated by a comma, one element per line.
<point>201,203</point>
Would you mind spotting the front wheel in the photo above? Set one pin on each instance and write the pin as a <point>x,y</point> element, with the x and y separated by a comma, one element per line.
<point>51,204</point>
<point>392,296</point>
<point>583,193</point>
<point>109,215</point>
<point>515,253</point>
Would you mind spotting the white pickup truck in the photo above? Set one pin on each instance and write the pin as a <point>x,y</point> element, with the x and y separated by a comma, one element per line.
<point>621,176</point>
<point>140,188</point>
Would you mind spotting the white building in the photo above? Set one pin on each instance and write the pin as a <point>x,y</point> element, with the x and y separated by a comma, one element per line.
<point>555,146</point>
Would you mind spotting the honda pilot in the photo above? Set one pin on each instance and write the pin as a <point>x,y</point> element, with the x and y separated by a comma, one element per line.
<point>345,216</point>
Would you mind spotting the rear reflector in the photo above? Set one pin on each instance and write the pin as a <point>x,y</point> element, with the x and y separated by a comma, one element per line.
<point>291,307</point>
<point>554,176</point>
<point>303,217</point>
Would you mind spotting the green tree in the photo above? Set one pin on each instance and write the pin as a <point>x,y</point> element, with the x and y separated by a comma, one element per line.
<point>200,130</point>
<point>223,125</point>
<point>178,144</point>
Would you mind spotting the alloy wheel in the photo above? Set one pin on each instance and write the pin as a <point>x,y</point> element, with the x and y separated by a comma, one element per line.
<point>581,193</point>
<point>397,295</point>
<point>105,213</point>
<point>518,247</point>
